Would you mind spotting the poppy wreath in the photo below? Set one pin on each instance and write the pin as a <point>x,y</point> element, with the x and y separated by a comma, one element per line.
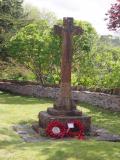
<point>77,131</point>
<point>56,129</point>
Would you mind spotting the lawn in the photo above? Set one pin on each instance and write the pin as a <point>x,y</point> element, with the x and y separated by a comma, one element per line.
<point>22,110</point>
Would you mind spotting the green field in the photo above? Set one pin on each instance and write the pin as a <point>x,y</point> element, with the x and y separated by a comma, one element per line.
<point>22,110</point>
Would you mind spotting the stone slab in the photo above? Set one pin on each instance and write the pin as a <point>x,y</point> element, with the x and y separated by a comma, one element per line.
<point>27,134</point>
<point>101,134</point>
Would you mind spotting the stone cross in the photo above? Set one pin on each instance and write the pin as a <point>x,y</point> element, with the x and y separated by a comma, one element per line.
<point>64,102</point>
<point>64,109</point>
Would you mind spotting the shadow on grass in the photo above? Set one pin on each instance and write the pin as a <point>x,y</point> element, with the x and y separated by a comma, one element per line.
<point>6,98</point>
<point>74,150</point>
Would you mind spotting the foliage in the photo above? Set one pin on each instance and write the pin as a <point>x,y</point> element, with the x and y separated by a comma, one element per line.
<point>36,42</point>
<point>113,16</point>
<point>100,68</point>
<point>34,14</point>
<point>107,66</point>
<point>14,71</point>
<point>86,41</point>
<point>95,59</point>
<point>11,14</point>
<point>110,40</point>
<point>33,46</point>
<point>83,47</point>
<point>12,7</point>
<point>16,110</point>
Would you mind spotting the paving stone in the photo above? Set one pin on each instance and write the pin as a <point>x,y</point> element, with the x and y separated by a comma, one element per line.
<point>29,135</point>
<point>108,137</point>
<point>102,134</point>
<point>22,132</point>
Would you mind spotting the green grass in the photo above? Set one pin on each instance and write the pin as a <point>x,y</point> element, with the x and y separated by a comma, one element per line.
<point>22,110</point>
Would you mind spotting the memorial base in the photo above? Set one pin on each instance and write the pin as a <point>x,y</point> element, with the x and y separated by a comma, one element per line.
<point>45,118</point>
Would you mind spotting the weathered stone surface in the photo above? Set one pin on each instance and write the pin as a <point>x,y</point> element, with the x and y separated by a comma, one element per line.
<point>56,112</point>
<point>102,134</point>
<point>45,119</point>
<point>66,31</point>
<point>107,101</point>
<point>28,134</point>
<point>108,137</point>
<point>33,136</point>
<point>96,131</point>
<point>64,108</point>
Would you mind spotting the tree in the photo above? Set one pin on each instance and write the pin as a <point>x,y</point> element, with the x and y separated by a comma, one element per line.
<point>113,16</point>
<point>107,66</point>
<point>110,40</point>
<point>12,7</point>
<point>36,48</point>
<point>11,13</point>
<point>35,14</point>
<point>36,43</point>
<point>83,46</point>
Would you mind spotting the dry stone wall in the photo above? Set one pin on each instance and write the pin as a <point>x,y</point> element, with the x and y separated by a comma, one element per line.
<point>107,101</point>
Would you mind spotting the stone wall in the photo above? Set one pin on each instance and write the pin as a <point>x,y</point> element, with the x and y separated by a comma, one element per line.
<point>114,91</point>
<point>107,101</point>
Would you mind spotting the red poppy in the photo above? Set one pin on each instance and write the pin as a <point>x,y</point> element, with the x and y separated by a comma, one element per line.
<point>56,129</point>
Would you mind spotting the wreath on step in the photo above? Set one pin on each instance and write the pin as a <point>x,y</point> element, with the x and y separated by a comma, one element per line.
<point>56,129</point>
<point>74,128</point>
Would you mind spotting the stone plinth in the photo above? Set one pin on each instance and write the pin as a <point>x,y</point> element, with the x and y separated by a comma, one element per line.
<point>55,112</point>
<point>45,119</point>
